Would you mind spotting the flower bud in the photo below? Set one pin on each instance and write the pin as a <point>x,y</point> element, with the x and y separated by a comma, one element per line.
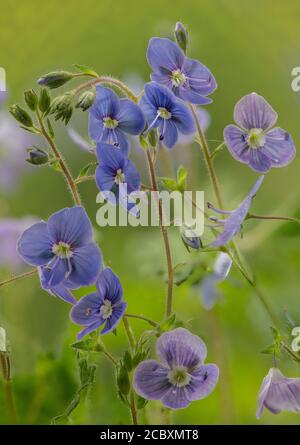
<point>86,100</point>
<point>55,79</point>
<point>181,36</point>
<point>31,99</point>
<point>153,137</point>
<point>21,115</point>
<point>62,107</point>
<point>190,238</point>
<point>36,156</point>
<point>123,381</point>
<point>44,101</point>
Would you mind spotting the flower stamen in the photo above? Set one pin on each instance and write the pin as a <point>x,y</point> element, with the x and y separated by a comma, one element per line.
<point>62,250</point>
<point>179,376</point>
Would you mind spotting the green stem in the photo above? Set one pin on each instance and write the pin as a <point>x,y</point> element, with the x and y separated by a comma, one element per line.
<point>65,169</point>
<point>280,218</point>
<point>18,277</point>
<point>110,81</point>
<point>110,357</point>
<point>129,333</point>
<point>164,232</point>
<point>141,317</point>
<point>133,409</point>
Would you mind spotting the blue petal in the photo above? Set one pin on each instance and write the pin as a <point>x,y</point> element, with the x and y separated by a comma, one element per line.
<point>110,156</point>
<point>176,398</point>
<point>61,290</point>
<point>253,111</point>
<point>113,320</point>
<point>123,143</point>
<point>87,310</point>
<point>54,275</point>
<point>95,127</point>
<point>149,110</point>
<point>35,245</point>
<point>189,95</point>
<point>89,329</point>
<point>159,96</point>
<point>203,382</point>
<point>130,117</point>
<point>170,133</point>
<point>105,178</point>
<point>164,55</point>
<point>86,264</point>
<point>71,225</point>
<point>200,79</point>
<point>235,140</point>
<point>109,286</point>
<point>151,380</point>
<point>132,177</point>
<point>183,118</point>
<point>258,161</point>
<point>106,104</point>
<point>279,147</point>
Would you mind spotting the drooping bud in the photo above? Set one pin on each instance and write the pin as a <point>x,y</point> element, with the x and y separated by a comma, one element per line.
<point>20,115</point>
<point>31,99</point>
<point>55,79</point>
<point>181,36</point>
<point>190,238</point>
<point>36,156</point>
<point>86,100</point>
<point>62,107</point>
<point>44,101</point>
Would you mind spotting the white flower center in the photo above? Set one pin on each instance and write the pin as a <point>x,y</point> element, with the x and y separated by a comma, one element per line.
<point>120,177</point>
<point>178,78</point>
<point>256,138</point>
<point>179,376</point>
<point>106,309</point>
<point>62,250</point>
<point>110,123</point>
<point>164,113</point>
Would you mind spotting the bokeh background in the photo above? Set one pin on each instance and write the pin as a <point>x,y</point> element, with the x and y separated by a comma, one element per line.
<point>250,45</point>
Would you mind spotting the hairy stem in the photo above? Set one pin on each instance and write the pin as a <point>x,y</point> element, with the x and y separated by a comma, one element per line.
<point>18,277</point>
<point>110,81</point>
<point>141,317</point>
<point>164,232</point>
<point>65,169</point>
<point>129,333</point>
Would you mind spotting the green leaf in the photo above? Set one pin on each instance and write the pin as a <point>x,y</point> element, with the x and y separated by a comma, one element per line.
<point>269,349</point>
<point>50,128</point>
<point>181,178</point>
<point>86,169</point>
<point>56,165</point>
<point>168,183</point>
<point>86,70</point>
<point>167,324</point>
<point>89,345</point>
<point>127,359</point>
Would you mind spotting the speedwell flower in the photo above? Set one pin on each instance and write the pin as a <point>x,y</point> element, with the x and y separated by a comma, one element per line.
<point>105,306</point>
<point>187,78</point>
<point>110,118</point>
<point>233,223</point>
<point>254,141</point>
<point>181,377</point>
<point>279,393</point>
<point>209,290</point>
<point>63,247</point>
<point>165,112</point>
<point>115,170</point>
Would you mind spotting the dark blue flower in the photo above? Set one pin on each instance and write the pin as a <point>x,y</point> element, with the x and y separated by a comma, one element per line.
<point>64,249</point>
<point>187,78</point>
<point>110,118</point>
<point>167,113</point>
<point>115,172</point>
<point>233,223</point>
<point>105,306</point>
<point>61,290</point>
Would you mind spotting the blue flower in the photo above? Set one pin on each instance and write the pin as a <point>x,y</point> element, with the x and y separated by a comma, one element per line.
<point>63,248</point>
<point>181,377</point>
<point>105,306</point>
<point>209,290</point>
<point>167,113</point>
<point>233,223</point>
<point>110,118</point>
<point>115,172</point>
<point>187,78</point>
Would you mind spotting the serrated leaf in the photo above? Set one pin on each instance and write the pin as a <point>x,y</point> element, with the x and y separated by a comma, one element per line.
<point>86,70</point>
<point>86,169</point>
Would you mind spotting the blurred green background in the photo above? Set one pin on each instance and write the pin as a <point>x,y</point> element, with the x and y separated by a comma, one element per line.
<point>250,45</point>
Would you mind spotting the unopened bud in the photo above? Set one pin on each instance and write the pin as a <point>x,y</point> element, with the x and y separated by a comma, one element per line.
<point>86,100</point>
<point>44,101</point>
<point>62,107</point>
<point>123,381</point>
<point>36,156</point>
<point>190,238</point>
<point>21,115</point>
<point>181,36</point>
<point>31,99</point>
<point>55,79</point>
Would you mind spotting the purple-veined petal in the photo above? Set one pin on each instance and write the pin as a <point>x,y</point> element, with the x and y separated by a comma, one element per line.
<point>109,286</point>
<point>61,290</point>
<point>149,110</point>
<point>183,118</point>
<point>170,133</point>
<point>130,117</point>
<point>110,156</point>
<point>123,143</point>
<point>56,273</point>
<point>180,347</point>
<point>279,393</point>
<point>253,111</point>
<point>199,77</point>
<point>86,264</point>
<point>159,95</point>
<point>70,225</point>
<point>164,55</point>
<point>132,177</point>
<point>95,128</point>
<point>203,382</point>
<point>258,161</point>
<point>188,95</point>
<point>35,245</point>
<point>225,237</point>
<point>162,78</point>
<point>279,147</point>
<point>176,398</point>
<point>106,104</point>
<point>113,320</point>
<point>236,143</point>
<point>92,327</point>
<point>105,178</point>
<point>151,380</point>
<point>87,310</point>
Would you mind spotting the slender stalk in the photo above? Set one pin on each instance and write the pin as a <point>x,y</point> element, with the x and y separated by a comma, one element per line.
<point>164,232</point>
<point>110,357</point>
<point>141,317</point>
<point>65,169</point>
<point>18,277</point>
<point>110,81</point>
<point>129,333</point>
<point>131,342</point>
<point>281,218</point>
<point>133,409</point>
<point>207,157</point>
<point>85,179</point>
